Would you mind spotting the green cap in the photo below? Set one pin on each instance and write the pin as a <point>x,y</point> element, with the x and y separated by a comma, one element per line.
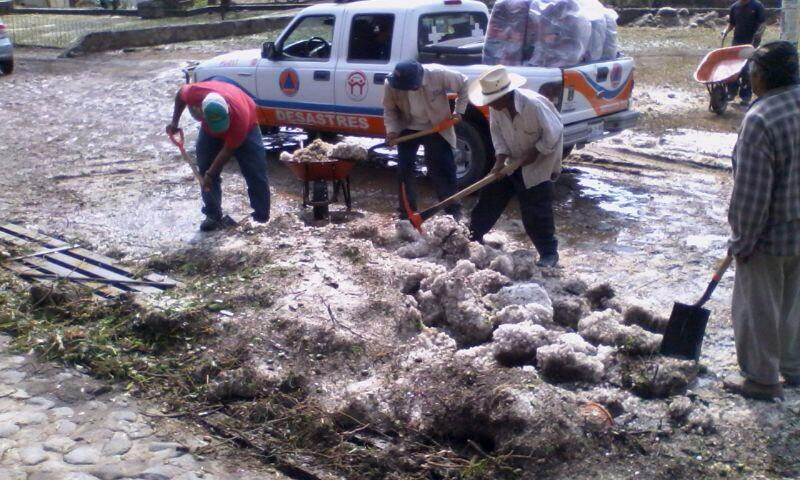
<point>215,113</point>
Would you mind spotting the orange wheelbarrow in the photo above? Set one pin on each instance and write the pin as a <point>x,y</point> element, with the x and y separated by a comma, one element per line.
<point>719,68</point>
<point>315,178</point>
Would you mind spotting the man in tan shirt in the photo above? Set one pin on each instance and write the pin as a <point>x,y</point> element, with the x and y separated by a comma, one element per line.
<point>415,99</point>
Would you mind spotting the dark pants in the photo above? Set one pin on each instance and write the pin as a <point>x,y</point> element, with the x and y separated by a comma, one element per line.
<point>741,85</point>
<point>441,168</point>
<point>536,204</point>
<point>252,162</point>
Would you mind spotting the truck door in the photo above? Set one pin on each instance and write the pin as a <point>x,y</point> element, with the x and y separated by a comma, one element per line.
<point>363,67</point>
<point>296,88</point>
<point>596,89</point>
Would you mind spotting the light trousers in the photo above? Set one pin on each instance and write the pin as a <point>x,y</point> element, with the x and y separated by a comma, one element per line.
<point>766,317</point>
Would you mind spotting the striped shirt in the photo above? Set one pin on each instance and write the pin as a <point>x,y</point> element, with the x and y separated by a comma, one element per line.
<point>764,212</point>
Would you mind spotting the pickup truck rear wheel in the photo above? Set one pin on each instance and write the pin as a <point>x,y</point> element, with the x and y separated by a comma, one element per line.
<point>469,154</point>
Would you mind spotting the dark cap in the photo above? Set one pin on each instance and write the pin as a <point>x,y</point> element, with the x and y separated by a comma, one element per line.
<point>407,75</point>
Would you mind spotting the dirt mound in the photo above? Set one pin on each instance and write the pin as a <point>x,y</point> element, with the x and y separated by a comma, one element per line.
<point>434,392</point>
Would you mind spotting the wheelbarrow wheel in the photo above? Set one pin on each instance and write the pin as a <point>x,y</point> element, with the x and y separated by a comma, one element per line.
<point>719,99</point>
<point>319,193</point>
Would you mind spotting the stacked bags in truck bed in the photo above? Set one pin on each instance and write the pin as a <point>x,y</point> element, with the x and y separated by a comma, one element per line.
<point>550,33</point>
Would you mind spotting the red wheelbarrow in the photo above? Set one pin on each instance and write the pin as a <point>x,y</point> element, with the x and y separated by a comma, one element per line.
<point>719,68</point>
<point>315,177</point>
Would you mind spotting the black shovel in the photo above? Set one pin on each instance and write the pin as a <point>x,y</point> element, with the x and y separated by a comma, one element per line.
<point>687,324</point>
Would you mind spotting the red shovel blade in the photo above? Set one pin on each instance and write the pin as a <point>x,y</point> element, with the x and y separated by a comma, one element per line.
<point>413,217</point>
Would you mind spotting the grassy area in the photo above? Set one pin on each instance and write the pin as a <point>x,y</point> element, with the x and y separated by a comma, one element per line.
<point>60,30</point>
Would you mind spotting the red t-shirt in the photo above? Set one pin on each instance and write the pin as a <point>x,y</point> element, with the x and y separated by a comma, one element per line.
<point>241,109</point>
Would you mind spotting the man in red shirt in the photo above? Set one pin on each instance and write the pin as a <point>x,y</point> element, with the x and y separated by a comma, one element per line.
<point>229,127</point>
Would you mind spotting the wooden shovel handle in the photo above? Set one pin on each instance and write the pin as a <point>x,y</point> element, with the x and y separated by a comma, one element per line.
<point>718,273</point>
<point>424,133</point>
<point>492,177</point>
<point>722,268</point>
<point>177,139</point>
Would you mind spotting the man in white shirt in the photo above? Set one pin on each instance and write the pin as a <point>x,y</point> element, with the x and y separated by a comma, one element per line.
<point>415,99</point>
<point>527,134</point>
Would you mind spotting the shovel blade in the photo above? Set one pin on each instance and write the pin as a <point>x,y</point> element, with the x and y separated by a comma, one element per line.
<point>413,217</point>
<point>685,331</point>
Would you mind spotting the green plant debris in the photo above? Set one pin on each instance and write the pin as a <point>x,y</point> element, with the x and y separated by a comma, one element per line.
<point>119,339</point>
<point>353,254</point>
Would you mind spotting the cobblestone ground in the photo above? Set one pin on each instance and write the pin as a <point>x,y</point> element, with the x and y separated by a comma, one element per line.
<point>59,424</point>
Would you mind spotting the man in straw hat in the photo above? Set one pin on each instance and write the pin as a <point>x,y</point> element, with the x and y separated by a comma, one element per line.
<point>415,99</point>
<point>228,127</point>
<point>527,134</point>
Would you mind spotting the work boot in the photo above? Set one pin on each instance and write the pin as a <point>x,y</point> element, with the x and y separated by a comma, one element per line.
<point>211,223</point>
<point>750,389</point>
<point>259,218</point>
<point>547,261</point>
<point>792,380</point>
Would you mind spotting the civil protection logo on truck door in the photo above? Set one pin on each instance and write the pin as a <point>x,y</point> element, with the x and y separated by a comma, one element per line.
<point>289,82</point>
<point>356,86</point>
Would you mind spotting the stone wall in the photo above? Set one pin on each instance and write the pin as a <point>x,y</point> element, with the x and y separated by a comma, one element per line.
<point>146,37</point>
<point>636,16</point>
<point>699,4</point>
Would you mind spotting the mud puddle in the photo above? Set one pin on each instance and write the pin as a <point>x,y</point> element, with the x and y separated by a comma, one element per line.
<point>694,147</point>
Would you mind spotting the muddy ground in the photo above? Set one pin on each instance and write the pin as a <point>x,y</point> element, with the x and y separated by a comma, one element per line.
<point>315,311</point>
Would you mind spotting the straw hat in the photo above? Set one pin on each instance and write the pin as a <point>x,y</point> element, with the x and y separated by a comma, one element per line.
<point>493,84</point>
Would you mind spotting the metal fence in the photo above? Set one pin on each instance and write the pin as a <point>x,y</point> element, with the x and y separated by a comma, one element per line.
<point>59,30</point>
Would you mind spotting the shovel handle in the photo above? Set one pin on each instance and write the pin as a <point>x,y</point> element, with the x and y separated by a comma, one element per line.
<point>177,139</point>
<point>424,133</point>
<point>718,273</point>
<point>492,177</point>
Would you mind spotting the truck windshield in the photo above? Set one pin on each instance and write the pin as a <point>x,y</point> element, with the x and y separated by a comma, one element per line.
<point>451,28</point>
<point>310,38</point>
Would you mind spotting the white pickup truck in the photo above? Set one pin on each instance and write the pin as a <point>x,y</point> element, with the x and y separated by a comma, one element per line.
<point>326,71</point>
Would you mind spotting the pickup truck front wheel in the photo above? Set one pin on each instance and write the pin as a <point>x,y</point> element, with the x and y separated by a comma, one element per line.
<point>469,155</point>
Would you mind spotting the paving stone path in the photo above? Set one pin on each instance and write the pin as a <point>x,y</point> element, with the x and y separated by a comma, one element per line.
<point>59,424</point>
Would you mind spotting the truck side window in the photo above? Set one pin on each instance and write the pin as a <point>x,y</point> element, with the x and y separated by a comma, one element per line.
<point>311,38</point>
<point>451,29</point>
<point>371,38</point>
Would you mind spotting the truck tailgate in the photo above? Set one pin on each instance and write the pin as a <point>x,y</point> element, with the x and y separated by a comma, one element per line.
<point>596,89</point>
